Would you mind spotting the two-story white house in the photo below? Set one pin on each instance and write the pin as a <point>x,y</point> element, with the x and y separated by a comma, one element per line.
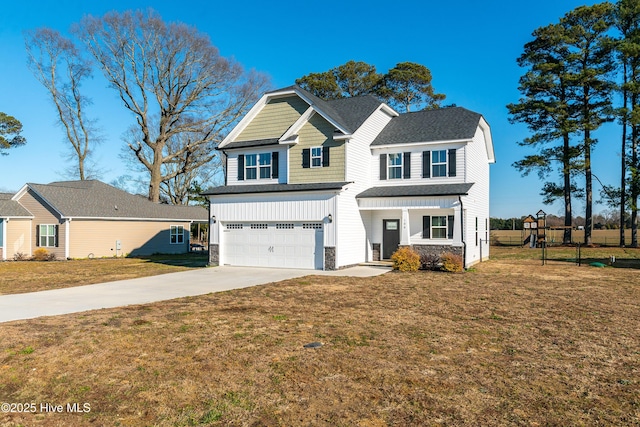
<point>328,184</point>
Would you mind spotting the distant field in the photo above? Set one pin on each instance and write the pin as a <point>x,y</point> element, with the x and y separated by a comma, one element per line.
<point>600,237</point>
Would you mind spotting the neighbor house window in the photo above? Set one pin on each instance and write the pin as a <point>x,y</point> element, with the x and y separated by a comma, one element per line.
<point>265,165</point>
<point>177,234</point>
<point>395,166</point>
<point>439,163</point>
<point>316,157</point>
<point>47,235</point>
<point>251,168</point>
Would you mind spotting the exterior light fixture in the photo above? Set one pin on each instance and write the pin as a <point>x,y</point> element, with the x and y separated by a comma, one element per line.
<point>213,219</point>
<point>330,218</point>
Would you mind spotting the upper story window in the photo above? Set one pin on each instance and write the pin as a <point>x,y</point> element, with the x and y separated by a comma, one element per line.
<point>316,157</point>
<point>258,166</point>
<point>251,168</point>
<point>439,163</point>
<point>395,165</point>
<point>265,165</point>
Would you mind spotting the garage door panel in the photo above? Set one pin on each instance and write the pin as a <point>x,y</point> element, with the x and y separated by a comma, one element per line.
<point>289,245</point>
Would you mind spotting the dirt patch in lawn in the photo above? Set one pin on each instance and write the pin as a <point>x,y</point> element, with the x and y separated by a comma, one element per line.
<point>506,344</point>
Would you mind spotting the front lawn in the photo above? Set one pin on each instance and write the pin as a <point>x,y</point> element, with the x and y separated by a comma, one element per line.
<point>510,343</point>
<point>30,276</point>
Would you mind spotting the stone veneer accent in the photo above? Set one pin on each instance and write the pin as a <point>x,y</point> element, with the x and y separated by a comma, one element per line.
<point>329,258</point>
<point>376,251</point>
<point>214,254</point>
<point>437,249</point>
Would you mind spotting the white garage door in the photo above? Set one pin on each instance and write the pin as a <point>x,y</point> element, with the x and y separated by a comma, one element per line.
<point>269,244</point>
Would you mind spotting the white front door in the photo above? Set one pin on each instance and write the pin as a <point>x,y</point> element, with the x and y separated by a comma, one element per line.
<point>269,244</point>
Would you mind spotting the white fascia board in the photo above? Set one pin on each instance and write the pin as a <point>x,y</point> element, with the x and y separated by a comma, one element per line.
<point>253,112</point>
<point>488,140</point>
<point>393,113</point>
<point>342,137</point>
<point>413,144</point>
<point>297,125</point>
<point>17,217</point>
<point>24,190</point>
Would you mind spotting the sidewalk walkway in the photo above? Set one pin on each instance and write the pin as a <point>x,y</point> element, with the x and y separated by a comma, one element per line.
<point>152,289</point>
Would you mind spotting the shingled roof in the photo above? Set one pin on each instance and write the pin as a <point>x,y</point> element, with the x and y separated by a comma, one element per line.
<point>444,124</point>
<point>272,188</point>
<point>10,208</point>
<point>95,199</point>
<point>417,190</point>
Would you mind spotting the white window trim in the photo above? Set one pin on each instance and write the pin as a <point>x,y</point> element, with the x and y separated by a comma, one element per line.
<point>439,227</point>
<point>247,168</point>
<point>266,165</point>
<point>399,166</point>
<point>311,157</point>
<point>445,163</point>
<point>179,236</point>
<point>46,235</point>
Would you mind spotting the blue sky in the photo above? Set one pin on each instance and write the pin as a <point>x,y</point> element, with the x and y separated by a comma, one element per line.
<point>470,47</point>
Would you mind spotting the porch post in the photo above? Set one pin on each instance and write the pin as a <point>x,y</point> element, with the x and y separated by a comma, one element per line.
<point>405,232</point>
<point>457,220</point>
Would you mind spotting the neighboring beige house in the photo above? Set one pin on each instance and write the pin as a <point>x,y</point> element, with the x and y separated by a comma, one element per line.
<point>83,219</point>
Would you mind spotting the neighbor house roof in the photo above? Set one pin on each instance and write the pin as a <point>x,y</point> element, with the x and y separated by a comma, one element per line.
<point>11,208</point>
<point>417,190</point>
<point>272,188</point>
<point>95,199</point>
<point>443,124</point>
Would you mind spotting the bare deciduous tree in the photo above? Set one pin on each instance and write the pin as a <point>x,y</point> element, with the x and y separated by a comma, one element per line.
<point>60,67</point>
<point>173,72</point>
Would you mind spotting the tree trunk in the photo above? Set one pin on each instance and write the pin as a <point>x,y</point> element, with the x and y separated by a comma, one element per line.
<point>588,226</point>
<point>623,155</point>
<point>566,173</point>
<point>156,173</point>
<point>634,186</point>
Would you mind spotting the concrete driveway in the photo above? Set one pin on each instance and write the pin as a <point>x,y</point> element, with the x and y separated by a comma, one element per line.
<point>155,288</point>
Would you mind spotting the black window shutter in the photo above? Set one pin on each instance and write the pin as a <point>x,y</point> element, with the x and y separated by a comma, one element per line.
<point>241,167</point>
<point>325,156</point>
<point>56,236</point>
<point>383,166</point>
<point>452,162</point>
<point>426,164</point>
<point>37,235</point>
<point>274,164</point>
<point>406,163</point>
<point>426,227</point>
<point>450,227</point>
<point>306,158</point>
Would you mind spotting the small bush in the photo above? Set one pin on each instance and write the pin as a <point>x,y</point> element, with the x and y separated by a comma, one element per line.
<point>20,256</point>
<point>452,262</point>
<point>405,259</point>
<point>430,261</point>
<point>41,254</point>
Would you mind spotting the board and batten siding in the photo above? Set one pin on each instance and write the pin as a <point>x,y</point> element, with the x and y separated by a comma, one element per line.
<point>317,132</point>
<point>43,214</point>
<point>287,207</point>
<point>476,204</point>
<point>274,119</point>
<point>97,238</point>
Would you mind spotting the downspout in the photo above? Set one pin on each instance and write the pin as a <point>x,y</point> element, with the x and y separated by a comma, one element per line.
<point>4,238</point>
<point>464,244</point>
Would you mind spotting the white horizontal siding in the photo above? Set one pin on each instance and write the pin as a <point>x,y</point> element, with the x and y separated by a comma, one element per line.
<point>416,165</point>
<point>377,203</point>
<point>232,166</point>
